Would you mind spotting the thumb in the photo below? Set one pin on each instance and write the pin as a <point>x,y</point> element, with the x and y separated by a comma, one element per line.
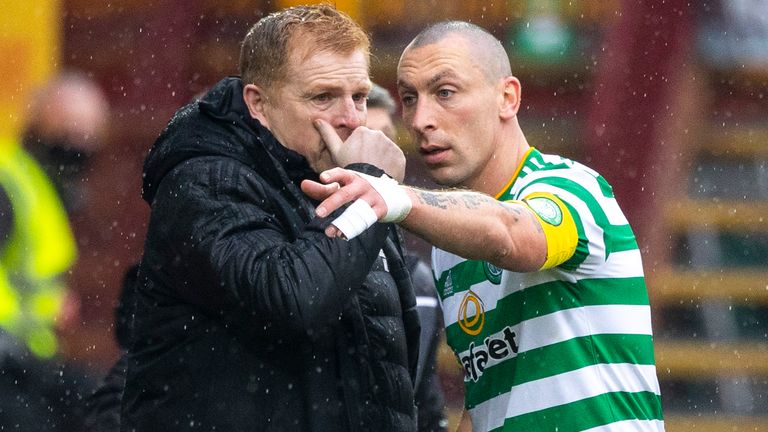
<point>329,136</point>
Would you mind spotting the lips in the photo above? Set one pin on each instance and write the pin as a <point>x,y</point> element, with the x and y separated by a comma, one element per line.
<point>433,155</point>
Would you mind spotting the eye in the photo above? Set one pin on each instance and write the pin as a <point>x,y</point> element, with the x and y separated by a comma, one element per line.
<point>408,99</point>
<point>322,97</point>
<point>359,97</point>
<point>444,93</point>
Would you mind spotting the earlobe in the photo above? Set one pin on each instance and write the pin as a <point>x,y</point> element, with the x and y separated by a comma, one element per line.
<point>510,102</point>
<point>255,100</point>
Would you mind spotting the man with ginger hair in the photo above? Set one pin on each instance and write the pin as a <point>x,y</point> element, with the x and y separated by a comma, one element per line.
<point>537,269</point>
<point>247,316</point>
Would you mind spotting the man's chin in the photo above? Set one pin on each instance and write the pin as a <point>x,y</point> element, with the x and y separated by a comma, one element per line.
<point>443,176</point>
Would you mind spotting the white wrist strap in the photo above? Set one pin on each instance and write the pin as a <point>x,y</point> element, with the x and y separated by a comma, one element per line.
<point>358,217</point>
<point>397,200</point>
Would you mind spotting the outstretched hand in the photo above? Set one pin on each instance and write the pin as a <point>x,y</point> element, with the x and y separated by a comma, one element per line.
<point>363,146</point>
<point>373,199</point>
<point>339,187</point>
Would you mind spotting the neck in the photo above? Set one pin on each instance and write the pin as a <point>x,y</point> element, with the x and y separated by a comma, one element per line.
<point>511,149</point>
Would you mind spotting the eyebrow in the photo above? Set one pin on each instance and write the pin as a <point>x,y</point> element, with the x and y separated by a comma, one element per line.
<point>445,74</point>
<point>333,87</point>
<point>441,76</point>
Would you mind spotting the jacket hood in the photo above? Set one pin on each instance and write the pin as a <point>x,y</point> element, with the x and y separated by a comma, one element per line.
<point>218,124</point>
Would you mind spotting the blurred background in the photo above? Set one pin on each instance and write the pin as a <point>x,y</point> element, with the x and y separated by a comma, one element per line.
<point>666,98</point>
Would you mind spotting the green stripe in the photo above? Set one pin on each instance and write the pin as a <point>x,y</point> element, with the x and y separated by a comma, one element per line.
<point>550,297</point>
<point>559,358</point>
<point>463,276</point>
<point>582,247</point>
<point>619,238</point>
<point>588,413</point>
<point>605,187</point>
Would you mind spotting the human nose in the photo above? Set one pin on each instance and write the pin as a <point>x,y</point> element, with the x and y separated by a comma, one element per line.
<point>419,117</point>
<point>349,115</point>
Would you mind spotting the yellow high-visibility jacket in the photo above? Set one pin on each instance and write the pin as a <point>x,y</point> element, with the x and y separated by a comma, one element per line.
<point>38,251</point>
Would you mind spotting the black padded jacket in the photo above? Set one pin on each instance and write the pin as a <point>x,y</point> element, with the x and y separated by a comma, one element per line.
<point>247,317</point>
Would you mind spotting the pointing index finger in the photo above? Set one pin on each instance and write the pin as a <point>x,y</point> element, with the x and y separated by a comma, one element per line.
<point>329,136</point>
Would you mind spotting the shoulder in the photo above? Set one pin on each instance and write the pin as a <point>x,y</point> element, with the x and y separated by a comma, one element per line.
<point>581,187</point>
<point>214,177</point>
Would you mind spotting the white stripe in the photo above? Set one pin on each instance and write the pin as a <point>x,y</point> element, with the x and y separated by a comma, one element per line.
<point>622,264</point>
<point>424,301</point>
<point>577,322</point>
<point>442,261</point>
<point>631,426</point>
<point>563,389</point>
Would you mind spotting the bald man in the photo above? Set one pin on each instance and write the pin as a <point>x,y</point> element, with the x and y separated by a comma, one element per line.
<point>537,269</point>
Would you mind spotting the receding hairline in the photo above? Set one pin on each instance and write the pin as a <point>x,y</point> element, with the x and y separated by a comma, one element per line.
<point>489,52</point>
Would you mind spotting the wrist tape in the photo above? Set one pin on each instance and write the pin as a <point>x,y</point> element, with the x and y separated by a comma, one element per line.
<point>359,216</point>
<point>397,200</point>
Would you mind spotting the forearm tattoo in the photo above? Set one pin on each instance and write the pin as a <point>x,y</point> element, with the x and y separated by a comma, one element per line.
<point>432,200</point>
<point>442,200</point>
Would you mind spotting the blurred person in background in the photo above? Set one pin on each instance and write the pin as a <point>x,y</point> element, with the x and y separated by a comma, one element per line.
<point>538,271</point>
<point>247,317</point>
<point>430,400</point>
<point>41,178</point>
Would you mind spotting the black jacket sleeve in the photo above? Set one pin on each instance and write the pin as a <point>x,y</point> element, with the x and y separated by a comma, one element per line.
<point>430,399</point>
<point>230,240</point>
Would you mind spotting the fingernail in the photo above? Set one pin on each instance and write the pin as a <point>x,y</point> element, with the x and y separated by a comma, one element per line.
<point>320,211</point>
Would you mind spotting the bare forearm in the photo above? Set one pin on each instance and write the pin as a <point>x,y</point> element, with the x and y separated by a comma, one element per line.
<point>476,226</point>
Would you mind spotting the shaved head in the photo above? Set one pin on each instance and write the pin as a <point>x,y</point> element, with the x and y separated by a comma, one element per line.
<point>489,52</point>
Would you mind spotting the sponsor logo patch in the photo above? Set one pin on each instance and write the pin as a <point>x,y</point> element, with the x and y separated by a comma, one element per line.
<point>494,348</point>
<point>471,314</point>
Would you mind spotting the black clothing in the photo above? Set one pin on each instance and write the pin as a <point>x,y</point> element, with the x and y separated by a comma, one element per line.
<point>430,400</point>
<point>39,395</point>
<point>247,317</point>
<point>103,405</point>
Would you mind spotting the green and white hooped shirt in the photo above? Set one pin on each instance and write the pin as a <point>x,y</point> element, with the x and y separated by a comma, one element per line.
<point>568,348</point>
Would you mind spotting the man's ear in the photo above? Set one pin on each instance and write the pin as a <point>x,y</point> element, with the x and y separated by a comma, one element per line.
<point>510,98</point>
<point>256,100</point>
